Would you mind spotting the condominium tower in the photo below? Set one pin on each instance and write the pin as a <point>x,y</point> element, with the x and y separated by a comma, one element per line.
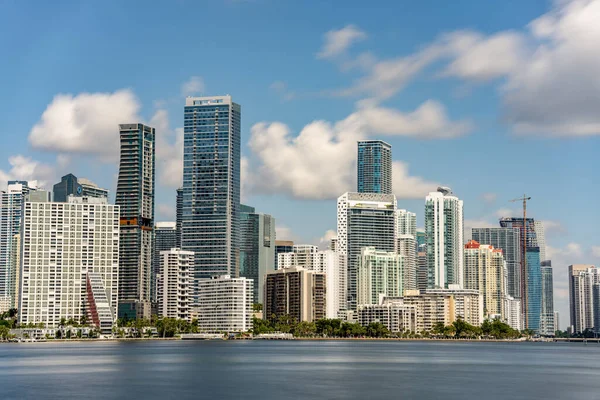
<point>257,248</point>
<point>174,284</point>
<point>547,309</point>
<point>584,306</point>
<point>71,185</point>
<point>363,220</point>
<point>224,304</point>
<point>165,238</point>
<point>444,238</point>
<point>380,273</point>
<point>374,167</point>
<point>211,184</point>
<point>135,196</point>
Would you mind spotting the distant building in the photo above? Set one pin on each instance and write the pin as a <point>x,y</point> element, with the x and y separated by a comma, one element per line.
<point>282,246</point>
<point>379,273</point>
<point>509,240</point>
<point>514,314</point>
<point>135,196</point>
<point>484,271</point>
<point>257,248</point>
<point>90,189</point>
<point>70,185</point>
<point>444,238</point>
<point>374,167</point>
<point>84,251</point>
<point>174,284</point>
<point>468,303</point>
<point>534,290</point>
<point>583,278</point>
<point>363,220</point>
<point>324,261</point>
<point>556,321</point>
<point>547,309</point>
<point>295,292</point>
<point>179,215</point>
<point>395,315</point>
<point>225,304</point>
<point>165,238</point>
<point>422,270</point>
<point>406,245</point>
<point>431,309</point>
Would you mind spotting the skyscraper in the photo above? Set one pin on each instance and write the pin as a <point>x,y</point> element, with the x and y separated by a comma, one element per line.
<point>533,311</point>
<point>509,240</point>
<point>484,272</point>
<point>282,246</point>
<point>71,185</point>
<point>379,273</point>
<point>135,196</point>
<point>363,220</point>
<point>406,245</point>
<point>165,239</point>
<point>547,314</point>
<point>583,308</point>
<point>211,184</point>
<point>11,205</point>
<point>179,215</point>
<point>444,238</point>
<point>374,167</point>
<point>257,248</point>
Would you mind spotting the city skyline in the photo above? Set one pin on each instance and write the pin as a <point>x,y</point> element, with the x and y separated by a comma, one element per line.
<point>305,210</point>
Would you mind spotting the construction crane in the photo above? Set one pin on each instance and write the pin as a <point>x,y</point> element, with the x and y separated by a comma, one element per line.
<point>524,298</point>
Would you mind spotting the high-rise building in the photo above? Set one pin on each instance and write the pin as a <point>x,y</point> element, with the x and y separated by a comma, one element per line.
<point>514,314</point>
<point>135,196</point>
<point>421,239</point>
<point>374,167</point>
<point>324,261</point>
<point>363,220</point>
<point>484,272</point>
<point>540,235</point>
<point>509,240</point>
<point>556,321</point>
<point>295,292</point>
<point>179,215</point>
<point>211,184</point>
<point>406,245</point>
<point>534,290</point>
<point>165,238</point>
<point>406,223</point>
<point>444,238</point>
<point>583,308</point>
<point>70,185</point>
<point>225,304</point>
<point>422,271</point>
<point>380,273</point>
<point>282,246</point>
<point>174,284</point>
<point>11,205</point>
<point>547,310</point>
<point>58,258</point>
<point>257,248</point>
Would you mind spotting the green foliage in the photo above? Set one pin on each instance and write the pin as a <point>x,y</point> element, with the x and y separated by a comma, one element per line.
<point>257,307</point>
<point>305,329</point>
<point>4,332</point>
<point>261,326</point>
<point>377,330</point>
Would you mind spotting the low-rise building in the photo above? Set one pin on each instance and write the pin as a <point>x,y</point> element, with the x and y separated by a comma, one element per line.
<point>395,315</point>
<point>225,304</point>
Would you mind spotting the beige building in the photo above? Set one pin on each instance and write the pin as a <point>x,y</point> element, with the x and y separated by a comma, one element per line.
<point>297,292</point>
<point>396,315</point>
<point>485,272</point>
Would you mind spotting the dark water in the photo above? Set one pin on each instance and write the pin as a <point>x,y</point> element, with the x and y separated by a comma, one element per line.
<point>287,370</point>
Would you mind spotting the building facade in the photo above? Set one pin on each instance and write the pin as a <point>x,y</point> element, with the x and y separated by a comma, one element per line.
<point>533,299</point>
<point>211,184</point>
<point>547,309</point>
<point>282,246</point>
<point>380,273</point>
<point>363,220</point>
<point>485,272</point>
<point>374,167</point>
<point>61,244</point>
<point>135,196</point>
<point>70,185</point>
<point>165,238</point>
<point>179,215</point>
<point>468,303</point>
<point>509,240</point>
<point>583,309</point>
<point>444,238</point>
<point>174,284</point>
<point>11,206</point>
<point>225,304</point>
<point>295,292</point>
<point>395,315</point>
<point>257,248</point>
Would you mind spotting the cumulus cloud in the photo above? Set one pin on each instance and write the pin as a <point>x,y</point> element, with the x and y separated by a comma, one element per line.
<point>283,232</point>
<point>325,240</point>
<point>27,169</point>
<point>169,150</point>
<point>336,42</point>
<point>87,123</point>
<point>193,86</point>
<point>320,162</point>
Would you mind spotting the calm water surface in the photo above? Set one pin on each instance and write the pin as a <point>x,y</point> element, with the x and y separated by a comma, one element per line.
<point>293,369</point>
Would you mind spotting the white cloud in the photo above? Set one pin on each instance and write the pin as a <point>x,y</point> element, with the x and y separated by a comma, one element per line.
<point>553,227</point>
<point>596,251</point>
<point>26,169</point>
<point>338,41</point>
<point>506,212</point>
<point>87,123</point>
<point>282,232</point>
<point>169,150</point>
<point>319,163</point>
<point>325,240</point>
<point>193,86</point>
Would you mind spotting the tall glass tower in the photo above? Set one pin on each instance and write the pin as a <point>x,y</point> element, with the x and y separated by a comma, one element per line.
<point>374,167</point>
<point>547,313</point>
<point>211,184</point>
<point>534,289</point>
<point>135,196</point>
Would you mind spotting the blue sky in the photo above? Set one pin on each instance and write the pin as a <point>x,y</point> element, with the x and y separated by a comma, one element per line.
<point>494,99</point>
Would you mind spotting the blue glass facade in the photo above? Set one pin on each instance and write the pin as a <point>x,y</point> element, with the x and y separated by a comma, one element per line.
<point>68,185</point>
<point>211,184</point>
<point>374,167</point>
<point>534,289</point>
